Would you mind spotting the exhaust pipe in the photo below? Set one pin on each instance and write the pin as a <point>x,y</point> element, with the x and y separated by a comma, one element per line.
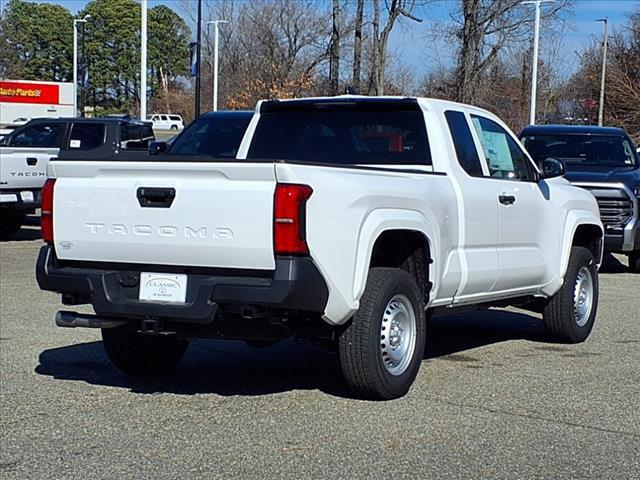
<point>68,319</point>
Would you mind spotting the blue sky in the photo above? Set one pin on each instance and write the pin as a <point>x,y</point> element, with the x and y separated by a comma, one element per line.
<point>423,49</point>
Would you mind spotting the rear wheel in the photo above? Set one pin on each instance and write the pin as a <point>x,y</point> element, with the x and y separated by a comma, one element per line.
<point>634,261</point>
<point>10,222</point>
<point>382,348</point>
<point>173,127</point>
<point>138,354</point>
<point>570,314</point>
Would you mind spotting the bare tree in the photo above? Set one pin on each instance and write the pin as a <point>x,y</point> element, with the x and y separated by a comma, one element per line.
<point>357,45</point>
<point>487,27</point>
<point>334,49</point>
<point>394,10</point>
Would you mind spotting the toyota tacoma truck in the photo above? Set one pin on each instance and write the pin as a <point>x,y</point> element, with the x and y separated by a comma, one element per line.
<point>604,161</point>
<point>25,153</point>
<point>346,220</point>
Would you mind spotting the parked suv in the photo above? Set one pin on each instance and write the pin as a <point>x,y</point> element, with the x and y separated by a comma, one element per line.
<point>604,161</point>
<point>162,121</point>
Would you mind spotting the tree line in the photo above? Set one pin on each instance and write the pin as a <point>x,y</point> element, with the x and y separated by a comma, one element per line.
<point>287,48</point>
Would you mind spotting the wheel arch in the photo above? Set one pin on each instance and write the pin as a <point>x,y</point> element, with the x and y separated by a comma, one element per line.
<point>582,230</point>
<point>417,243</point>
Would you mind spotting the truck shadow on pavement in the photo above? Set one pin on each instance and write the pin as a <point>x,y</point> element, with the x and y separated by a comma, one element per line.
<point>232,368</point>
<point>29,231</point>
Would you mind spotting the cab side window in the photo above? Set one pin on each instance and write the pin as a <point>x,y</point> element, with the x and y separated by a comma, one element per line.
<point>463,142</point>
<point>86,136</point>
<point>38,136</point>
<point>504,157</point>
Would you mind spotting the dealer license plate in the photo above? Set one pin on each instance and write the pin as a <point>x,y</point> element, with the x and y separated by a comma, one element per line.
<point>163,287</point>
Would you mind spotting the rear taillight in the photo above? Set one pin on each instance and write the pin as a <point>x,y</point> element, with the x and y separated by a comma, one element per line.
<point>46,217</point>
<point>289,219</point>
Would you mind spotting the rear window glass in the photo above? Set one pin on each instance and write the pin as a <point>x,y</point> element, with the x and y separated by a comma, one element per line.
<point>86,136</point>
<point>136,137</point>
<point>575,149</point>
<point>216,136</point>
<point>342,136</point>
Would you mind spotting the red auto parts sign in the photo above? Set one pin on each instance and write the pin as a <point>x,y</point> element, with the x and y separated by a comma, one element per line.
<point>23,92</point>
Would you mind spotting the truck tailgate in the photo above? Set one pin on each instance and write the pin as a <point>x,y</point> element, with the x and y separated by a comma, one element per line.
<point>24,168</point>
<point>189,214</point>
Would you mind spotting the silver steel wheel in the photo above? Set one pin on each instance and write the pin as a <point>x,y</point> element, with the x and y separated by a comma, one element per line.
<point>583,297</point>
<point>398,335</point>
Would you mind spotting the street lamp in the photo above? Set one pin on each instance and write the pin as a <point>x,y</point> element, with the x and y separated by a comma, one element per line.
<point>215,60</point>
<point>143,62</point>
<point>75,61</point>
<point>534,69</point>
<point>604,71</point>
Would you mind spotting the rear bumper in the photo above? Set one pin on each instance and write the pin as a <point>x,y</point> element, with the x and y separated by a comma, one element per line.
<point>296,284</point>
<point>20,199</point>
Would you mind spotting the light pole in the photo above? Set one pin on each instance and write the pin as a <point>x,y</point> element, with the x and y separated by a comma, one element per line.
<point>75,61</point>
<point>604,71</point>
<point>143,62</point>
<point>534,67</point>
<point>215,60</point>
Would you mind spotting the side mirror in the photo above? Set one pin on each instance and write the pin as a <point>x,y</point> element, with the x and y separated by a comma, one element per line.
<point>157,148</point>
<point>552,167</point>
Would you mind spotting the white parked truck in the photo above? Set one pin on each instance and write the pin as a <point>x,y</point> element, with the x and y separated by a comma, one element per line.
<point>348,219</point>
<point>26,151</point>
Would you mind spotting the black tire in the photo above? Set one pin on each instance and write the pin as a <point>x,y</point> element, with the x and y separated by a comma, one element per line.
<point>173,127</point>
<point>10,223</point>
<point>138,354</point>
<point>561,313</point>
<point>360,344</point>
<point>634,261</point>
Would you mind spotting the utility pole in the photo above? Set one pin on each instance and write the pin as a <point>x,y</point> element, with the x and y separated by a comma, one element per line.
<point>215,24</point>
<point>534,67</point>
<point>198,48</point>
<point>143,62</point>
<point>604,71</point>
<point>75,61</point>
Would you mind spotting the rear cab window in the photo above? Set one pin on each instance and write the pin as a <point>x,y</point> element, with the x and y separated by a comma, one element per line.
<point>212,136</point>
<point>342,133</point>
<point>136,136</point>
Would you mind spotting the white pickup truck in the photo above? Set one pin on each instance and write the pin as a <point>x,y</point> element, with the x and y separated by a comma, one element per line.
<point>25,154</point>
<point>348,220</point>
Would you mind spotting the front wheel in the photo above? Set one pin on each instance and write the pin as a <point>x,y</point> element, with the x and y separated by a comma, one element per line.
<point>173,127</point>
<point>139,354</point>
<point>634,261</point>
<point>382,347</point>
<point>570,314</point>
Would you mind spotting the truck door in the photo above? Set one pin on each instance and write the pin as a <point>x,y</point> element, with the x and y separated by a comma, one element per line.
<point>477,252</point>
<point>526,217</point>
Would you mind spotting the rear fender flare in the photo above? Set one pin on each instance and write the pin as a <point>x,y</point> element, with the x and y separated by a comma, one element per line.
<point>381,220</point>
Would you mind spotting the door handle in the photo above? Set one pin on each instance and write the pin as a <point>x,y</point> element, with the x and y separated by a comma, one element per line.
<point>31,161</point>
<point>507,199</point>
<point>155,197</point>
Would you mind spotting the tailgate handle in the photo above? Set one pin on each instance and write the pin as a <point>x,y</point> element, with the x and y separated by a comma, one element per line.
<point>31,161</point>
<point>154,197</point>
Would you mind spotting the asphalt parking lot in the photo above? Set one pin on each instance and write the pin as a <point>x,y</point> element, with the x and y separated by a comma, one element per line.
<point>492,400</point>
